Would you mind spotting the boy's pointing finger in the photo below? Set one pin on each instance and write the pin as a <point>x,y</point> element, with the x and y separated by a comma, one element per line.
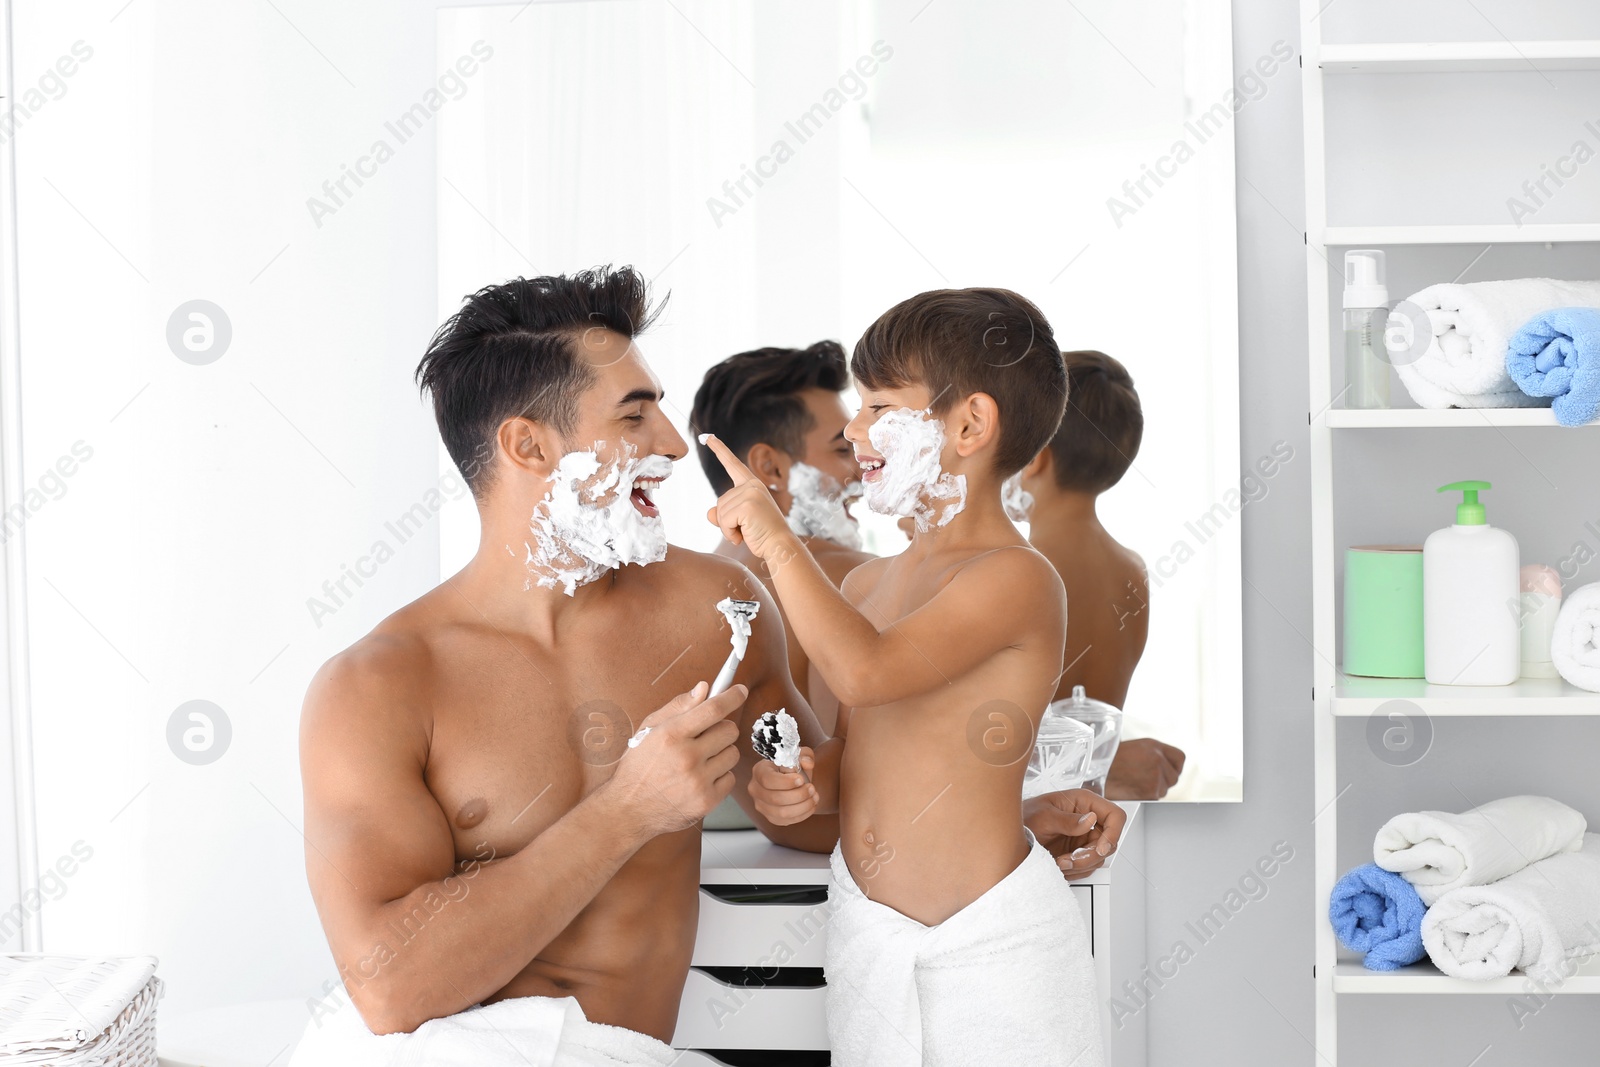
<point>730,462</point>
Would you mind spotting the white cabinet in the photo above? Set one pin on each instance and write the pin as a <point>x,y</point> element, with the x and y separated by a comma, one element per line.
<point>777,942</point>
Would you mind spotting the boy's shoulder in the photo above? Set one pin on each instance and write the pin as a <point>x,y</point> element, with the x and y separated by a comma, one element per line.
<point>1012,563</point>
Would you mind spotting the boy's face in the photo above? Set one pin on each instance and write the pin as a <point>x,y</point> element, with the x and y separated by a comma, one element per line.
<point>874,404</point>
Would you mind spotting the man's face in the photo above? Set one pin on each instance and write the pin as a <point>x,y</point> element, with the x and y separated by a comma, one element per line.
<point>825,447</point>
<point>599,512</point>
<point>620,413</point>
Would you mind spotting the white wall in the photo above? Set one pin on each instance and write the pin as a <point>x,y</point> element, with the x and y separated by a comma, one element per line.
<point>210,502</point>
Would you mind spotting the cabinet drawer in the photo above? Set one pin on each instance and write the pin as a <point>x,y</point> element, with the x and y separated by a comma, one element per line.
<point>1084,895</point>
<point>764,935</point>
<point>715,1014</point>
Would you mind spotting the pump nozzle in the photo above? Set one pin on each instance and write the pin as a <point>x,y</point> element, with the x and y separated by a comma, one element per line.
<point>1364,283</point>
<point>1469,512</point>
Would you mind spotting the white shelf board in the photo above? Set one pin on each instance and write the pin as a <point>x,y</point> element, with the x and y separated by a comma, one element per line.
<point>1487,234</point>
<point>1449,57</point>
<point>1526,696</point>
<point>1426,978</point>
<point>1390,418</point>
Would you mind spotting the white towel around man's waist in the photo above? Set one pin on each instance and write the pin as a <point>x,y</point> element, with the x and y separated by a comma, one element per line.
<point>1535,920</point>
<point>1575,649</point>
<point>1006,980</point>
<point>1438,851</point>
<point>1469,327</point>
<point>520,1032</point>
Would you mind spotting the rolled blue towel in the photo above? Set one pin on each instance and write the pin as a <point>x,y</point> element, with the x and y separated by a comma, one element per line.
<point>1557,354</point>
<point>1378,913</point>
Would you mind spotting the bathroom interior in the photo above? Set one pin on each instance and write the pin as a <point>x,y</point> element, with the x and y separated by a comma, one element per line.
<point>1286,218</point>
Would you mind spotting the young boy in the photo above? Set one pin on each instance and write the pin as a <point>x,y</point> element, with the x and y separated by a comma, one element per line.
<point>1106,584</point>
<point>779,410</point>
<point>955,939</point>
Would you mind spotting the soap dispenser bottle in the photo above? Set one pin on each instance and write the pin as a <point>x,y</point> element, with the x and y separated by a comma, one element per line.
<point>1366,307</point>
<point>1471,595</point>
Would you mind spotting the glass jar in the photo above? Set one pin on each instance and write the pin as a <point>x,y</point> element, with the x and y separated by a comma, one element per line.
<point>1061,753</point>
<point>1106,722</point>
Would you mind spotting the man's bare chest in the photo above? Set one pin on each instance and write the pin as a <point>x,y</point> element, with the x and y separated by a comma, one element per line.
<point>521,734</point>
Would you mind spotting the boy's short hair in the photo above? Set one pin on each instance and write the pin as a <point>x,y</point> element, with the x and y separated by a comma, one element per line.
<point>511,351</point>
<point>957,342</point>
<point>753,398</point>
<point>1100,433</point>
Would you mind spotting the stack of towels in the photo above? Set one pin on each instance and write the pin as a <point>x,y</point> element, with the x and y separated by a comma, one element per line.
<point>1526,342</point>
<point>1511,885</point>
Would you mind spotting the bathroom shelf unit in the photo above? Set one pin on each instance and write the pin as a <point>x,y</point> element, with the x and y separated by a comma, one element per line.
<point>1426,978</point>
<point>1458,57</point>
<point>1486,234</point>
<point>1524,697</point>
<point>1336,697</point>
<point>1441,418</point>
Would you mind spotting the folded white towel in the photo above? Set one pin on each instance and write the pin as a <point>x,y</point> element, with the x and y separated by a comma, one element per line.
<point>1575,650</point>
<point>1536,919</point>
<point>1437,851</point>
<point>1007,979</point>
<point>1464,363</point>
<point>521,1032</point>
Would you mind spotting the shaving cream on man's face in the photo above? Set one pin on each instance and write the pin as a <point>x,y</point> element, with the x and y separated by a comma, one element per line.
<point>589,522</point>
<point>818,504</point>
<point>911,481</point>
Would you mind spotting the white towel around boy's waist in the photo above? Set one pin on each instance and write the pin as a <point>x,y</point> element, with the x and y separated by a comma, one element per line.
<point>520,1032</point>
<point>1006,980</point>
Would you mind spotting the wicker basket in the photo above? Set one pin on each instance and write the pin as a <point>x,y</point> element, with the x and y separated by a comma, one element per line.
<point>73,1012</point>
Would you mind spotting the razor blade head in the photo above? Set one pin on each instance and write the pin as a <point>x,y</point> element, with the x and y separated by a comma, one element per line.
<point>744,609</point>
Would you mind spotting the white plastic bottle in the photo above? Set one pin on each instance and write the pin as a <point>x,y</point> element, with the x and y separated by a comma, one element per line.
<point>1471,598</point>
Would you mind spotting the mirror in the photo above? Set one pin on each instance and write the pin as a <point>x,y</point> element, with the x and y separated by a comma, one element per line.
<point>788,171</point>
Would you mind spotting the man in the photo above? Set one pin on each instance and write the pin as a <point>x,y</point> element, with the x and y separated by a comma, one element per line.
<point>780,411</point>
<point>484,825</point>
<point>1108,591</point>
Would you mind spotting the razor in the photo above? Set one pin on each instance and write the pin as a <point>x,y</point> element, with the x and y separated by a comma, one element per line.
<point>738,613</point>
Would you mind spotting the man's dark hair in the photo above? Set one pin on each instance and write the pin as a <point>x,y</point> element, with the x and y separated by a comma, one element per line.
<point>1100,433</point>
<point>754,398</point>
<point>957,342</point>
<point>511,351</point>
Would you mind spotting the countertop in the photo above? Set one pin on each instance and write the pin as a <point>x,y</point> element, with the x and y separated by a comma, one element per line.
<point>731,857</point>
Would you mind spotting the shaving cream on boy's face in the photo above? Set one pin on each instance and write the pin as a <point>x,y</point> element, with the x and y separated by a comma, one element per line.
<point>818,504</point>
<point>910,480</point>
<point>596,516</point>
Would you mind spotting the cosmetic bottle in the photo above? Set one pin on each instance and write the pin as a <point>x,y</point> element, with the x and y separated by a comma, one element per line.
<point>1541,603</point>
<point>1471,598</point>
<point>1366,306</point>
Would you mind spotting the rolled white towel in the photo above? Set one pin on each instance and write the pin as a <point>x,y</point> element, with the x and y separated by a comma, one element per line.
<point>1535,920</point>
<point>1438,851</point>
<point>1575,649</point>
<point>1471,323</point>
